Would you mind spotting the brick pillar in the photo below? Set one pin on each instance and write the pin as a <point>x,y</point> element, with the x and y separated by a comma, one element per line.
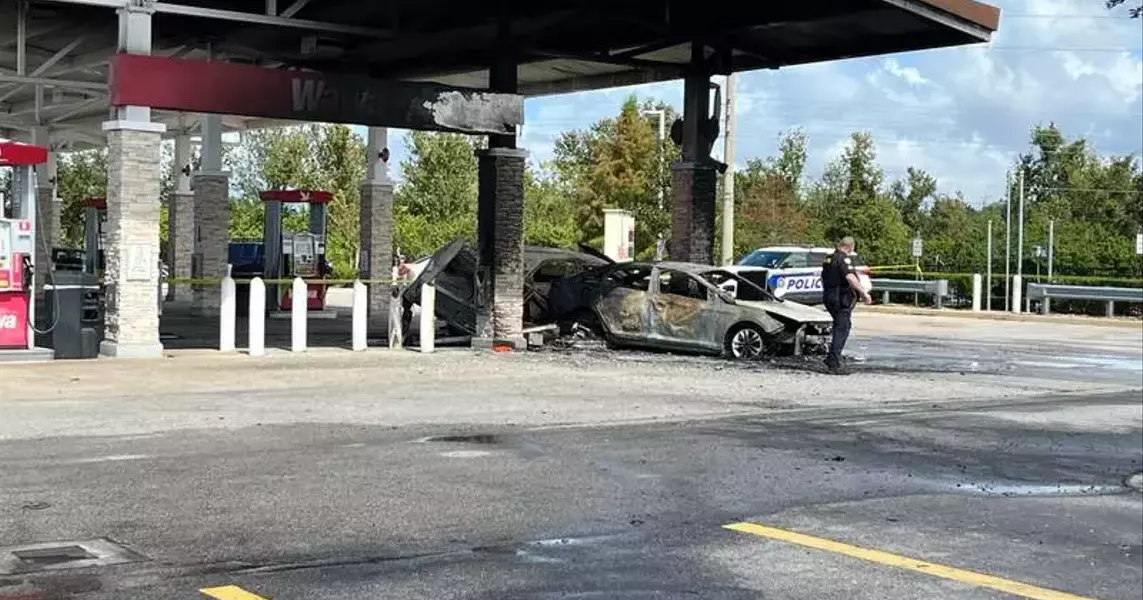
<point>212,237</point>
<point>500,245</point>
<point>180,243</point>
<point>132,274</point>
<point>692,212</point>
<point>47,232</point>
<point>377,249</point>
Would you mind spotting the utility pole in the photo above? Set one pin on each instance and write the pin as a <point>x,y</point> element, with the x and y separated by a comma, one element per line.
<point>1051,246</point>
<point>728,177</point>
<point>988,278</point>
<point>1020,234</point>
<point>1007,240</point>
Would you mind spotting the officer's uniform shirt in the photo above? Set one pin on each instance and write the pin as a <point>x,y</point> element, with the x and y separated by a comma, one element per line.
<point>834,270</point>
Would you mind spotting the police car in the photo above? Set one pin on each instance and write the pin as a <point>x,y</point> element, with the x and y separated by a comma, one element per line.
<point>793,272</point>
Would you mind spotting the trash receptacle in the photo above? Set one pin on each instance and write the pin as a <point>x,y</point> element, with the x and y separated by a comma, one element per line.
<point>72,303</point>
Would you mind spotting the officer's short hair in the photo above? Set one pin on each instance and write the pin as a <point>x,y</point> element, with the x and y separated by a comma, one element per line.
<point>846,241</point>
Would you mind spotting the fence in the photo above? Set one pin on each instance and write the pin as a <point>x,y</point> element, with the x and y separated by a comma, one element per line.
<point>1046,292</point>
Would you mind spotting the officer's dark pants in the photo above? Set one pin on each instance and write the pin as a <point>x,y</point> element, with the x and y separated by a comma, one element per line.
<point>841,309</point>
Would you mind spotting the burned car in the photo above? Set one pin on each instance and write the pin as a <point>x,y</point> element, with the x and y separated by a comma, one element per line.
<point>683,307</point>
<point>452,269</point>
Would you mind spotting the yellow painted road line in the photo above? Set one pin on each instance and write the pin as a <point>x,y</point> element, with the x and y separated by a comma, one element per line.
<point>978,579</point>
<point>230,592</point>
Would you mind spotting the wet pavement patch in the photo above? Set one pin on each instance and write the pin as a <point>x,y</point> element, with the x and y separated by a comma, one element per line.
<point>484,439</point>
<point>49,556</point>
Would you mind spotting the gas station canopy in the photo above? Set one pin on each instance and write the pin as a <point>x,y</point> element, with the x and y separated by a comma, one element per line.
<point>54,56</point>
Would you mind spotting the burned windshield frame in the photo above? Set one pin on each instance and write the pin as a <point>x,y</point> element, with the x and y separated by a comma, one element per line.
<point>763,294</point>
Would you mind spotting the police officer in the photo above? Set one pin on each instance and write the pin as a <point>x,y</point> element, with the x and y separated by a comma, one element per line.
<point>840,286</point>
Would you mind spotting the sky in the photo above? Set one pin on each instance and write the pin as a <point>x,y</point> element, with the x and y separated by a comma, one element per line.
<point>962,114</point>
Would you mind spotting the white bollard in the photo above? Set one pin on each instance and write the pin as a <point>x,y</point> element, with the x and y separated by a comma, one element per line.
<point>1017,293</point>
<point>360,315</point>
<point>256,329</point>
<point>428,317</point>
<point>976,283</point>
<point>226,313</point>
<point>298,315</point>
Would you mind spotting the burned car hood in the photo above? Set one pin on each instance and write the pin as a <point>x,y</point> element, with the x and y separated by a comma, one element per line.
<point>790,310</point>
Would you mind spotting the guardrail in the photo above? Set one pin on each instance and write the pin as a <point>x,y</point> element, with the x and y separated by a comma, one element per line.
<point>938,288</point>
<point>299,318</point>
<point>1044,292</point>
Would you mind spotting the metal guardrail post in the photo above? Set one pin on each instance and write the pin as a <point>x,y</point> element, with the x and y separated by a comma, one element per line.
<point>256,325</point>
<point>1110,308</point>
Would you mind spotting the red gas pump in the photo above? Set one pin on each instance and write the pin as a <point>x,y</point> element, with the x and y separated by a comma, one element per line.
<point>18,247</point>
<point>300,254</point>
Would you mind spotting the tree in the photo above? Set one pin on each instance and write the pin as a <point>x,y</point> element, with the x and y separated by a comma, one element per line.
<point>323,157</point>
<point>1134,11</point>
<point>910,195</point>
<point>618,163</point>
<point>1097,203</point>
<point>549,218</point>
<point>79,176</point>
<point>767,197</point>
<point>437,201</point>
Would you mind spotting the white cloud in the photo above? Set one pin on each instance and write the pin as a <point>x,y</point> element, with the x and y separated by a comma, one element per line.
<point>963,114</point>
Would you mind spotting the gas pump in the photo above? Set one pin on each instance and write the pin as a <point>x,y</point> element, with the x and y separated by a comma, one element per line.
<point>94,216</point>
<point>18,247</point>
<point>298,254</point>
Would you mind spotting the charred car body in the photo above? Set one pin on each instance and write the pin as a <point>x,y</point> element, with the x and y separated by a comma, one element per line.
<point>683,306</point>
<point>663,305</point>
<point>452,269</point>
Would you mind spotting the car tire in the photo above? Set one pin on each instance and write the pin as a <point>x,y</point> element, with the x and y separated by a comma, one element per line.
<point>747,342</point>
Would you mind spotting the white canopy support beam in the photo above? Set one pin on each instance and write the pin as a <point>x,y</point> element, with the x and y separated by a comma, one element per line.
<point>63,83</point>
<point>31,34</point>
<point>21,37</point>
<point>172,8</point>
<point>293,9</point>
<point>47,64</point>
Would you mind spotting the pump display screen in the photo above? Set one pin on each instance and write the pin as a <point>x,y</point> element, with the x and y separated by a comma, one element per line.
<point>304,255</point>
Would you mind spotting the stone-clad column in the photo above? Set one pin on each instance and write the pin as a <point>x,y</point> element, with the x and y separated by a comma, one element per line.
<point>180,224</point>
<point>211,218</point>
<point>500,246</point>
<point>211,225</point>
<point>377,227</point>
<point>131,276</point>
<point>693,189</point>
<point>693,177</point>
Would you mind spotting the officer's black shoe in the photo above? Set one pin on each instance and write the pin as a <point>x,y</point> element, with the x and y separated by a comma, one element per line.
<point>836,369</point>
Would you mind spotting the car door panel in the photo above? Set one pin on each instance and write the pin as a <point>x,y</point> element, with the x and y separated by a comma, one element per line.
<point>623,312</point>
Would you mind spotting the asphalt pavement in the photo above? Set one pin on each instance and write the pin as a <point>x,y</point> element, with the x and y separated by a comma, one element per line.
<point>922,476</point>
<point>340,511</point>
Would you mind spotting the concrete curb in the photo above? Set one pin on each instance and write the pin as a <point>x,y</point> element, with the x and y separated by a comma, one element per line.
<point>1121,322</point>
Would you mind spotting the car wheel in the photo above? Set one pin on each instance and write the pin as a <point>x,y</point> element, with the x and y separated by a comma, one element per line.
<point>746,342</point>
